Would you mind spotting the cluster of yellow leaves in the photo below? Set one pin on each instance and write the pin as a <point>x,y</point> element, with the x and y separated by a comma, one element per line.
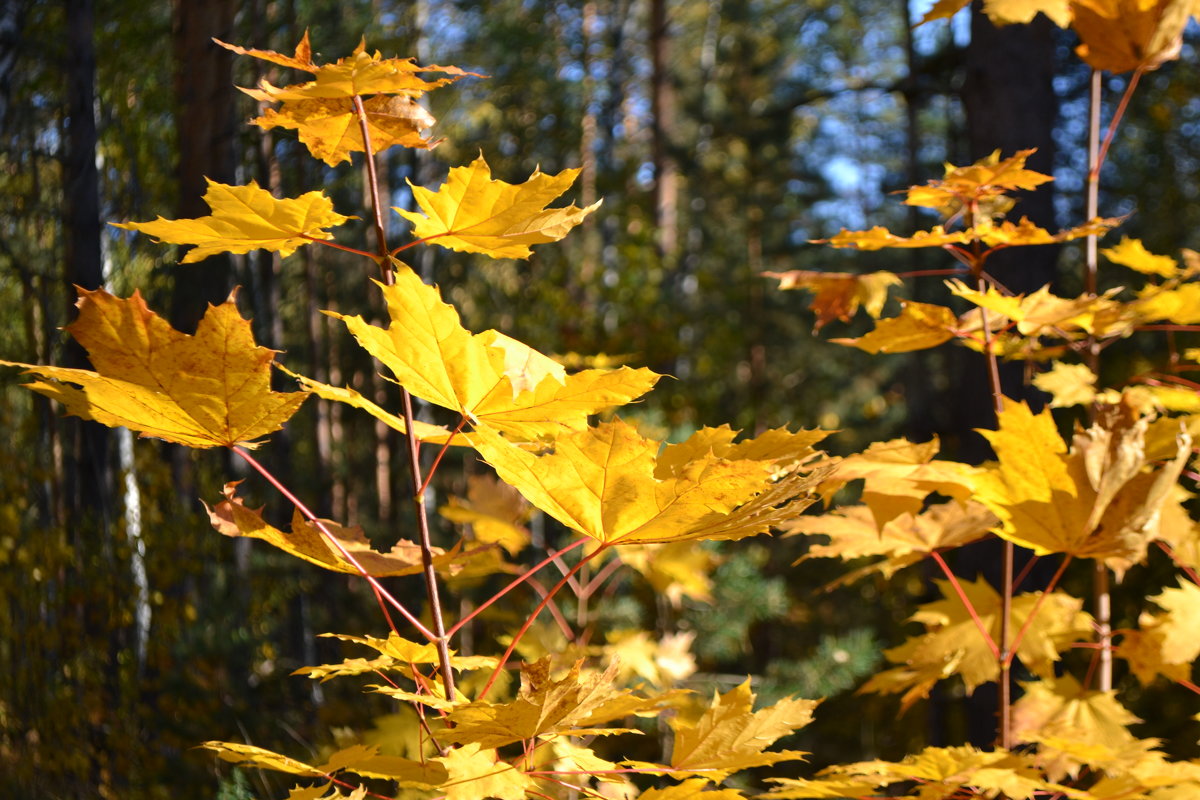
<point>205,390</point>
<point>952,644</point>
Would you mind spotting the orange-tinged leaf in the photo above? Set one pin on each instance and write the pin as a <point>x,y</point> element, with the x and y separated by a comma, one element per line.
<point>1124,35</point>
<point>982,183</point>
<point>232,518</point>
<point>837,295</point>
<point>476,773</point>
<point>300,59</point>
<point>207,390</point>
<point>1026,233</point>
<point>1007,12</point>
<point>602,482</point>
<point>474,213</point>
<point>481,375</point>
<point>730,736</point>
<point>331,130</point>
<point>246,218</point>
<point>1133,254</point>
<point>919,326</point>
<point>879,237</point>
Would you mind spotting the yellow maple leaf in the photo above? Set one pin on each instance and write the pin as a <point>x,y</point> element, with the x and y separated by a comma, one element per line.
<point>495,511</point>
<point>919,326</point>
<point>331,130</point>
<point>231,517</point>
<point>487,377</point>
<point>690,790</point>
<point>573,705</point>
<point>301,59</point>
<point>474,213</point>
<point>879,237</point>
<point>476,773</point>
<point>1040,313</point>
<point>1172,302</point>
<point>853,533</point>
<point>1026,233</point>
<point>1133,254</point>
<point>207,390</point>
<point>730,736</point>
<point>603,482</point>
<point>662,662</point>
<point>1067,384</point>
<point>952,643</point>
<point>1179,624</point>
<point>675,570</point>
<point>981,184</point>
<point>246,218</point>
<point>1005,12</point>
<point>837,295</point>
<point>1099,501</point>
<point>1124,35</point>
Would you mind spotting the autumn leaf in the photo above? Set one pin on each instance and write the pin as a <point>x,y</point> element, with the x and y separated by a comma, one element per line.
<point>475,772</point>
<point>487,377</point>
<point>246,218</point>
<point>1099,501</point>
<point>1133,254</point>
<point>331,130</point>
<point>690,790</point>
<point>1067,384</point>
<point>495,511</point>
<point>730,736</point>
<point>837,295</point>
<point>473,213</point>
<point>301,59</point>
<point>662,661</point>
<point>1040,313</point>
<point>232,518</point>
<point>1125,35</point>
<point>1026,233</point>
<point>919,326</point>
<point>396,654</point>
<point>675,570</point>
<point>879,237</point>
<point>981,184</point>
<point>548,706</point>
<point>1005,12</point>
<point>853,532</point>
<point>602,482</point>
<point>205,390</point>
<point>952,643</point>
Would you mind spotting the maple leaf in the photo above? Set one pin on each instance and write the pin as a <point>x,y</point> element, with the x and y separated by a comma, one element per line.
<point>495,511</point>
<point>545,706</point>
<point>981,184</point>
<point>232,518</point>
<point>473,213</point>
<point>675,570</point>
<point>207,390</point>
<point>689,790</point>
<point>1179,626</point>
<point>1026,233</point>
<point>1005,12</point>
<point>331,130</point>
<point>1173,302</point>
<point>1067,384</point>
<point>730,736</point>
<point>246,218</point>
<point>879,237</point>
<point>853,532</point>
<point>898,475</point>
<point>1133,254</point>
<point>1041,312</point>
<point>1124,35</point>
<point>396,654</point>
<point>301,59</point>
<point>662,662</point>
<point>487,377</point>
<point>476,773</point>
<point>953,645</point>
<point>1099,501</point>
<point>603,482</point>
<point>919,326</point>
<point>837,295</point>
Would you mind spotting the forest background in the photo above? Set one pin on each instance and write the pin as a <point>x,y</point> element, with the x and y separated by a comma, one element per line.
<point>722,137</point>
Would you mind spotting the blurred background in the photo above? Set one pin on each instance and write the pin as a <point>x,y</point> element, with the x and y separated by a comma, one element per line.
<point>721,135</point>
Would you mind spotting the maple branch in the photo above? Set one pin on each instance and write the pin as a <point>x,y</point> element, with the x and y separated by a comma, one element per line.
<point>534,615</point>
<point>520,579</point>
<point>1037,605</point>
<point>414,444</point>
<point>333,540</point>
<point>928,273</point>
<point>962,595</point>
<point>1116,121</point>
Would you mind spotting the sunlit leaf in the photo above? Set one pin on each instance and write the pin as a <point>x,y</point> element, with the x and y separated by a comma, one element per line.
<point>837,295</point>
<point>981,184</point>
<point>1067,384</point>
<point>879,237</point>
<point>1124,35</point>
<point>476,773</point>
<point>495,511</point>
<point>474,213</point>
<point>331,130</point>
<point>919,326</point>
<point>1133,254</point>
<point>246,218</point>
<point>207,390</point>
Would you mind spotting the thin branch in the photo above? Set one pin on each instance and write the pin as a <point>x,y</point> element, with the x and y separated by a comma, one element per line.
<point>334,541</point>
<point>962,595</point>
<point>1037,605</point>
<point>336,246</point>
